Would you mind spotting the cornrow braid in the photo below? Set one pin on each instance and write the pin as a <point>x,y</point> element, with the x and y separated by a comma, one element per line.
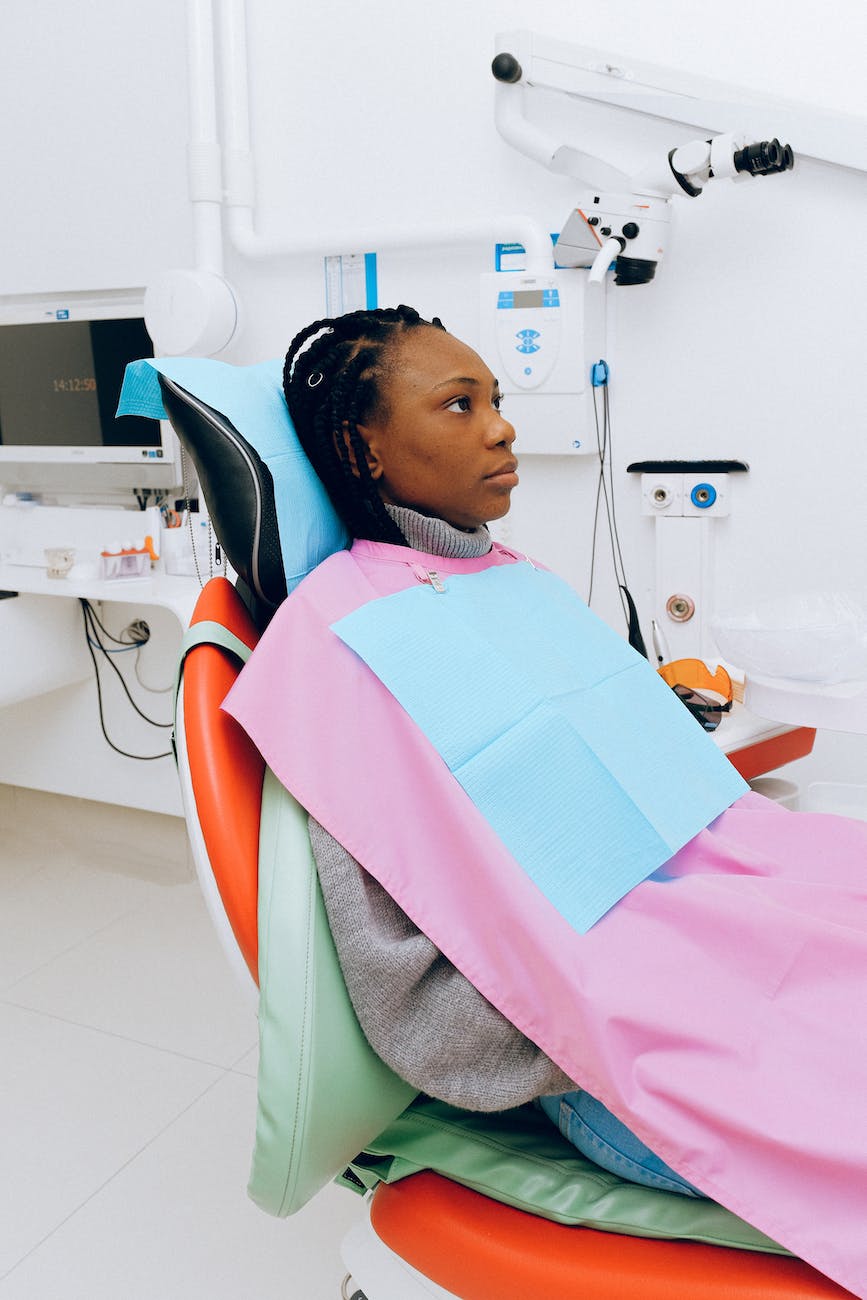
<point>333,381</point>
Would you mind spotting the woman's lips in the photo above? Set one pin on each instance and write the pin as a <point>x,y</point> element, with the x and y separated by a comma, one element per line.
<point>505,476</point>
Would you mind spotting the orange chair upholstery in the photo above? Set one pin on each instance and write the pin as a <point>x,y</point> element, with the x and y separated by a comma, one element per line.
<point>226,770</point>
<point>479,1249</point>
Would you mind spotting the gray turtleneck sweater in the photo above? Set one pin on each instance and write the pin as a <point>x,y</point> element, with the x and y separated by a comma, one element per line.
<point>417,1011</point>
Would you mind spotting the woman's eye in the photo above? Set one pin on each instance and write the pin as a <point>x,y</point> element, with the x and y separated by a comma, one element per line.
<point>462,404</point>
<point>497,400</point>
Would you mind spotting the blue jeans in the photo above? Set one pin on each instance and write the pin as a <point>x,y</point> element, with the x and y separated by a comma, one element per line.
<point>600,1137</point>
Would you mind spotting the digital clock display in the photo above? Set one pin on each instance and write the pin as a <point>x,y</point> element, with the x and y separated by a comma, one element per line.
<point>76,384</point>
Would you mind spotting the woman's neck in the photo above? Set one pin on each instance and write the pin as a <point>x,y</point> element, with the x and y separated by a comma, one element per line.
<point>436,537</point>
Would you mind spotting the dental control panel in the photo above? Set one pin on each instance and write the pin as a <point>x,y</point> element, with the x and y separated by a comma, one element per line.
<point>528,332</point>
<point>533,337</point>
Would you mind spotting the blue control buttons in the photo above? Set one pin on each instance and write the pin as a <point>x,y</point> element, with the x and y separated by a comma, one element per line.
<point>527,341</point>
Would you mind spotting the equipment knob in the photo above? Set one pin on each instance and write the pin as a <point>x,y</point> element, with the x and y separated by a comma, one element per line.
<point>506,67</point>
<point>630,230</point>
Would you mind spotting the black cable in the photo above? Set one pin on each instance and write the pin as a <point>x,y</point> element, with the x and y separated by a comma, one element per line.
<point>609,495</point>
<point>129,645</point>
<point>120,678</point>
<point>136,643</point>
<point>605,489</point>
<point>615,534</point>
<point>87,609</point>
<point>601,452</point>
<point>603,444</point>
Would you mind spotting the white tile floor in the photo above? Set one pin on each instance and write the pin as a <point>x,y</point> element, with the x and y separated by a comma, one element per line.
<point>127,1078</point>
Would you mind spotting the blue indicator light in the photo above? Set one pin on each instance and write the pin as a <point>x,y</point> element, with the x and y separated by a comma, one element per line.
<point>62,313</point>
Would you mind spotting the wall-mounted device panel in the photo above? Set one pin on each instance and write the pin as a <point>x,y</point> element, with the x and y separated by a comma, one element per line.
<point>537,331</point>
<point>684,488</point>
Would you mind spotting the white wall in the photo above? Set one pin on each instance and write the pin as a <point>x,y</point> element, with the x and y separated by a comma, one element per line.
<point>748,344</point>
<point>93,105</point>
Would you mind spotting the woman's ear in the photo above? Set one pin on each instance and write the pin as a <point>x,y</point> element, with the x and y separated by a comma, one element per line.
<point>374,465</point>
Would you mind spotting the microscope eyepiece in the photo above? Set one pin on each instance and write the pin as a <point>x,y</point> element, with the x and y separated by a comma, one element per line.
<point>764,158</point>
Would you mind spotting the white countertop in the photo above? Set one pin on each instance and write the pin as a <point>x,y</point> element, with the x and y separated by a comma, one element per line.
<point>176,593</point>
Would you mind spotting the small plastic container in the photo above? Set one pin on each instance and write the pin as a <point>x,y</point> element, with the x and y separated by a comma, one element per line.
<point>127,564</point>
<point>837,797</point>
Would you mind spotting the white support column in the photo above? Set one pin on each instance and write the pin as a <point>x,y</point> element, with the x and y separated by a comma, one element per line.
<point>684,567</point>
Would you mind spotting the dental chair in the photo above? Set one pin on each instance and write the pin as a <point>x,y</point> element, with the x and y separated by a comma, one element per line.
<point>457,1204</point>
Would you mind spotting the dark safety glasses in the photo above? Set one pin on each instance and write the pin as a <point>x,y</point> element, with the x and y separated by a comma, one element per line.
<point>705,710</point>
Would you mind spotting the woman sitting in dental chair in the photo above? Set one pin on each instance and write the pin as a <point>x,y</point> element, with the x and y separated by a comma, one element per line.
<point>686,952</point>
<point>434,473</point>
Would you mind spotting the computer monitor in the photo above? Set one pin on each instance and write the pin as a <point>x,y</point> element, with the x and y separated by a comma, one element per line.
<point>62,361</point>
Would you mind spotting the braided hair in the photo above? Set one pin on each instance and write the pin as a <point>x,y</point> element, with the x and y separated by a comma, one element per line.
<point>333,381</point>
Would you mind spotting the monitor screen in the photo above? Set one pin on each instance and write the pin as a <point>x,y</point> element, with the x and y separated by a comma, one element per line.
<point>62,364</point>
<point>60,380</point>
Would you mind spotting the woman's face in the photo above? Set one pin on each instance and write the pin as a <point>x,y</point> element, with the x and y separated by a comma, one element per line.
<point>442,446</point>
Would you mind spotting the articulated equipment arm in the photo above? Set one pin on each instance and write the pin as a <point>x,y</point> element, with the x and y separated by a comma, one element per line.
<point>625,220</point>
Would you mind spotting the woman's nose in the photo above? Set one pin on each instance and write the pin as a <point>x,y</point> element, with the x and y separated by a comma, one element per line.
<point>500,430</point>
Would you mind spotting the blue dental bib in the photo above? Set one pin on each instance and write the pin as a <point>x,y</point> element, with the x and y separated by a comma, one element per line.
<point>582,759</point>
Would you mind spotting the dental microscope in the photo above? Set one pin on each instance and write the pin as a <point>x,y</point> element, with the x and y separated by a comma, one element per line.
<point>626,225</point>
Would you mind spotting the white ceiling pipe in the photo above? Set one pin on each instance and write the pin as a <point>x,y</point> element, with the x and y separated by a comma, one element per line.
<point>203,150</point>
<point>194,312</point>
<point>238,164</point>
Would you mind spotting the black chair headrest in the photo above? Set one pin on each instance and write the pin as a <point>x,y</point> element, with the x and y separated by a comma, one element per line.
<point>239,492</point>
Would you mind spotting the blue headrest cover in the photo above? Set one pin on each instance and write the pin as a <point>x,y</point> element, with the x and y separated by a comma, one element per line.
<point>250,399</point>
